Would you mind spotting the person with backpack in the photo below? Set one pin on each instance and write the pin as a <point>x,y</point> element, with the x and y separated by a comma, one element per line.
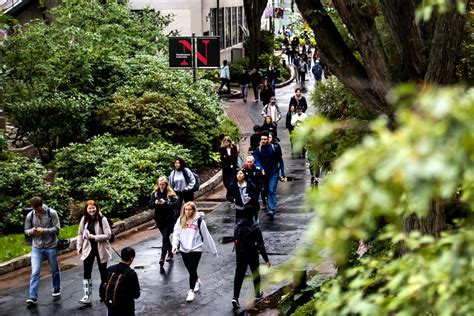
<point>163,200</point>
<point>122,287</point>
<point>243,193</point>
<point>317,71</point>
<point>189,236</point>
<point>248,243</point>
<point>269,158</point>
<point>229,153</point>
<point>93,243</point>
<point>42,227</point>
<point>182,181</point>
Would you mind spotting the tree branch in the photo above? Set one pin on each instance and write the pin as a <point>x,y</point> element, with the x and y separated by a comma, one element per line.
<point>400,16</point>
<point>340,59</point>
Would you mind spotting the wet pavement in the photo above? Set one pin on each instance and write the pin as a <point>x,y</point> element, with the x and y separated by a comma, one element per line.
<point>164,292</point>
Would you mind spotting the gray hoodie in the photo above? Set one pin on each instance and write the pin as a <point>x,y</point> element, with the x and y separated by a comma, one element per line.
<point>189,239</point>
<point>51,226</point>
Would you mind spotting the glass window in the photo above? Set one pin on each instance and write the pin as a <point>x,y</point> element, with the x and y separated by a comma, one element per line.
<point>234,26</point>
<point>228,27</point>
<point>221,27</point>
<point>240,21</point>
<point>213,22</point>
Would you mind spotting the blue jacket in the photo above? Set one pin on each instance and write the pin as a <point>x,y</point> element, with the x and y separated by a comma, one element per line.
<point>270,159</point>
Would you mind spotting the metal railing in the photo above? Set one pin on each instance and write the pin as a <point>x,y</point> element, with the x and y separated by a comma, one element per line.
<point>6,5</point>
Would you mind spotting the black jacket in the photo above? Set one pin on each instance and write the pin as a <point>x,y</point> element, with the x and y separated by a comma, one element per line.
<point>254,175</point>
<point>131,288</point>
<point>302,103</point>
<point>265,95</point>
<point>244,78</point>
<point>256,236</point>
<point>163,212</point>
<point>233,194</point>
<point>229,161</point>
<point>288,122</point>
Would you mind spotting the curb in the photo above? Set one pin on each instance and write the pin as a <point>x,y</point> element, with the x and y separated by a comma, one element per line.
<point>120,227</point>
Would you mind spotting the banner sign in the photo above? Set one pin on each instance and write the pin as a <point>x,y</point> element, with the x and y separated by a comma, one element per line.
<point>181,52</point>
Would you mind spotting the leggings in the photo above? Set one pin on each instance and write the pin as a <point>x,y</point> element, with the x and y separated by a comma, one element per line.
<point>242,262</point>
<point>89,262</point>
<point>191,262</point>
<point>166,229</point>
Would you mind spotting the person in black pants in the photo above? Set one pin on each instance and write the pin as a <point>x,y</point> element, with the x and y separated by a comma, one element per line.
<point>243,193</point>
<point>248,243</point>
<point>163,200</point>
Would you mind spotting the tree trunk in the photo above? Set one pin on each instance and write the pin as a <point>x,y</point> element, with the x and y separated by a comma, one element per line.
<point>342,62</point>
<point>253,14</point>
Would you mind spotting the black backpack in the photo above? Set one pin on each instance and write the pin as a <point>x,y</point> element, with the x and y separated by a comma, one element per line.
<point>113,291</point>
<point>112,228</point>
<point>244,238</point>
<point>197,183</point>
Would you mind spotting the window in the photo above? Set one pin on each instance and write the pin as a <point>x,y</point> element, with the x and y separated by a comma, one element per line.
<point>213,22</point>
<point>228,27</point>
<point>240,24</point>
<point>234,26</point>
<point>221,27</point>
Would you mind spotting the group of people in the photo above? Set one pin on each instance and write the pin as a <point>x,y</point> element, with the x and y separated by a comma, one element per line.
<point>93,244</point>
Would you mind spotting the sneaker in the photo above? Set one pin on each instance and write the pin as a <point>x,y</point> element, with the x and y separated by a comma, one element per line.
<point>56,293</point>
<point>197,286</point>
<point>153,227</point>
<point>271,216</point>
<point>86,299</point>
<point>235,303</point>
<point>31,301</point>
<point>190,296</point>
<point>259,296</point>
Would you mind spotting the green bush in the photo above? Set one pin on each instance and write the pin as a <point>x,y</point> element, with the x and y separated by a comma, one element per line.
<point>236,67</point>
<point>167,104</point>
<point>20,179</point>
<point>3,145</point>
<point>114,173</point>
<point>54,121</point>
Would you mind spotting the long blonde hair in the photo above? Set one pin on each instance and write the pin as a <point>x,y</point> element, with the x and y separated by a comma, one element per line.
<point>182,217</point>
<point>169,191</point>
<point>227,138</point>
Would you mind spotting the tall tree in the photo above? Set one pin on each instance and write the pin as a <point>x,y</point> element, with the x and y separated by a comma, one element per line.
<point>253,14</point>
<point>427,54</point>
<point>427,50</point>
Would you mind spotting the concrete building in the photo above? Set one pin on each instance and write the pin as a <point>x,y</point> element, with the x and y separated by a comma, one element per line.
<point>223,18</point>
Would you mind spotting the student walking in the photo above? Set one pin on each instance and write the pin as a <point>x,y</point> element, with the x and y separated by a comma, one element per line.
<point>256,79</point>
<point>182,181</point>
<point>248,243</point>
<point>122,287</point>
<point>224,74</point>
<point>266,93</point>
<point>243,193</point>
<point>163,200</point>
<point>189,236</point>
<point>244,81</point>
<point>268,157</point>
<point>42,225</point>
<point>93,243</point>
<point>229,158</point>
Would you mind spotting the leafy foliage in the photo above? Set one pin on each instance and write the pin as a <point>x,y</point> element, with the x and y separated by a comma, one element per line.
<point>20,179</point>
<point>113,173</point>
<point>392,175</point>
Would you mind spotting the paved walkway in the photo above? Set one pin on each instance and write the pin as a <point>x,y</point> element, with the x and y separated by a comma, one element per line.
<point>164,291</point>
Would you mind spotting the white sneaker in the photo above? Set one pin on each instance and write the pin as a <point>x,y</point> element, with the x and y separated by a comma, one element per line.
<point>190,296</point>
<point>197,286</point>
<point>86,299</point>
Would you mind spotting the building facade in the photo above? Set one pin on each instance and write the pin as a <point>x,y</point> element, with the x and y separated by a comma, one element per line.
<point>224,18</point>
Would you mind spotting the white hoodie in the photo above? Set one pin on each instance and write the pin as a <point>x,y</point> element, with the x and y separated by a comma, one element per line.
<point>189,239</point>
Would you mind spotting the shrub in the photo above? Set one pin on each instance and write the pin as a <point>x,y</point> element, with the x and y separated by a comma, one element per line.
<point>116,174</point>
<point>53,121</point>
<point>20,179</point>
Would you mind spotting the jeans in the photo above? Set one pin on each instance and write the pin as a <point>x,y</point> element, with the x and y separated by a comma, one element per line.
<point>271,183</point>
<point>37,256</point>
<point>244,89</point>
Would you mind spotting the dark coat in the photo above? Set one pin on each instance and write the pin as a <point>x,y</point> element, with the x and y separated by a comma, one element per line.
<point>266,94</point>
<point>233,194</point>
<point>126,306</point>
<point>163,212</point>
<point>229,161</point>
<point>302,103</point>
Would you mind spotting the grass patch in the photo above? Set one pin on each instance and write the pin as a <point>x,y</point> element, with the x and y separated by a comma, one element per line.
<point>14,245</point>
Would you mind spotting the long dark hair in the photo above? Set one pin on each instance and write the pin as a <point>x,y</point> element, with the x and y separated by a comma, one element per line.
<point>97,214</point>
<point>182,164</point>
